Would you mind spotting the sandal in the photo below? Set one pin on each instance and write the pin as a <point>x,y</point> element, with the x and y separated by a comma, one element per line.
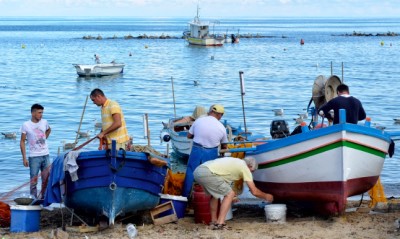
<point>221,227</point>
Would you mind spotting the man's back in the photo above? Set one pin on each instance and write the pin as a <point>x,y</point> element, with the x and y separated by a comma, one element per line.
<point>353,107</point>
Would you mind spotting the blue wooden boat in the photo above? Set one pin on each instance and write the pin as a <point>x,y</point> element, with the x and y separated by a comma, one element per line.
<point>112,183</point>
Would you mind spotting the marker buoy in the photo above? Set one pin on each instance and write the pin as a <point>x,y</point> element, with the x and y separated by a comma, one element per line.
<point>302,41</point>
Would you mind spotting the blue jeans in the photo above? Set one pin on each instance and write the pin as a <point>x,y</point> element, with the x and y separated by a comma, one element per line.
<point>37,163</point>
<point>197,156</point>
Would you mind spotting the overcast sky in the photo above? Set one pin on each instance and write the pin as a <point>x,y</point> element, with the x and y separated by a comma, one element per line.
<point>208,8</point>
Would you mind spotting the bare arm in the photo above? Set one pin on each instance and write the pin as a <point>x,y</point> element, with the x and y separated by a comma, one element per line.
<point>115,125</point>
<point>23,150</point>
<point>258,193</point>
<point>48,131</point>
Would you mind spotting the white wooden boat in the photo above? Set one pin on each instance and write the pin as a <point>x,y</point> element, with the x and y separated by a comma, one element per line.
<point>324,166</point>
<point>176,131</point>
<point>98,70</point>
<point>200,33</point>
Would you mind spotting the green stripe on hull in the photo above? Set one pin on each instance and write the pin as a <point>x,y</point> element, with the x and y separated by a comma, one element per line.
<point>321,150</point>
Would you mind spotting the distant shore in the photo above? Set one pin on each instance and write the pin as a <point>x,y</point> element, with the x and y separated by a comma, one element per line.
<point>163,36</point>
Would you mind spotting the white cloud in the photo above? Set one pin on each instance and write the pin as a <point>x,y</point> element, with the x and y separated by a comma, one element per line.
<point>187,8</point>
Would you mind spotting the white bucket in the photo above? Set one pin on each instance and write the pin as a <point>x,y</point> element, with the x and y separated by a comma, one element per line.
<point>275,213</point>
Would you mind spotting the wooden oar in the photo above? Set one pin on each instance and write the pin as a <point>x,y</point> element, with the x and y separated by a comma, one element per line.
<point>84,144</point>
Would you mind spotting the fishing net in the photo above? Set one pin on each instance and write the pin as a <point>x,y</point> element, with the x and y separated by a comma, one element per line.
<point>174,183</point>
<point>5,215</point>
<point>377,194</point>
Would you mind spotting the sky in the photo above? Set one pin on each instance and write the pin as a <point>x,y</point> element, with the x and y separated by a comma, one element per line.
<point>208,8</point>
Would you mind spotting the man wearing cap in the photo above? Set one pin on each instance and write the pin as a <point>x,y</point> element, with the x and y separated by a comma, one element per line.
<point>207,133</point>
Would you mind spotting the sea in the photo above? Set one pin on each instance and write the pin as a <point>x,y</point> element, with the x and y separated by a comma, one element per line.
<point>164,78</point>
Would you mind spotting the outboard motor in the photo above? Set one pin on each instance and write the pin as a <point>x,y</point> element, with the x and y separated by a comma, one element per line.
<point>279,129</point>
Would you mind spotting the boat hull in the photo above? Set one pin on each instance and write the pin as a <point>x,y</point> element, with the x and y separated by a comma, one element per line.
<point>98,70</point>
<point>114,186</point>
<point>324,166</point>
<point>206,41</point>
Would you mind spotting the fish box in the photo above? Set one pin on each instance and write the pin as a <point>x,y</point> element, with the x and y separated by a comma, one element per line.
<point>179,203</point>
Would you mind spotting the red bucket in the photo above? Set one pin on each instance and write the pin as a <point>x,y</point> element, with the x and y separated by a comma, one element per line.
<point>201,205</point>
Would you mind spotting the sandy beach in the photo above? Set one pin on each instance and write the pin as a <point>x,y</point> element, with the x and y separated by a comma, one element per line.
<point>249,221</point>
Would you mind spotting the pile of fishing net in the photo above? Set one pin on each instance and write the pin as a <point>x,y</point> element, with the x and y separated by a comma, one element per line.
<point>154,156</point>
<point>5,215</point>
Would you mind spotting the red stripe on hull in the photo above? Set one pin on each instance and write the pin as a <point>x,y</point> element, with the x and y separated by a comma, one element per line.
<point>330,197</point>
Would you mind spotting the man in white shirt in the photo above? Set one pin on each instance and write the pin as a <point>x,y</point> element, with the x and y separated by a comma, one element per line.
<point>36,131</point>
<point>207,133</point>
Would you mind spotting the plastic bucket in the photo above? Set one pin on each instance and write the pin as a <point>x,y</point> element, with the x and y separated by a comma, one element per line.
<point>179,203</point>
<point>275,213</point>
<point>201,206</point>
<point>25,218</point>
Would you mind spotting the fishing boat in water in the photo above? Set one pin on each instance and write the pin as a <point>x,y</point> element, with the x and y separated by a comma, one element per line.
<point>109,182</point>
<point>99,70</point>
<point>199,33</point>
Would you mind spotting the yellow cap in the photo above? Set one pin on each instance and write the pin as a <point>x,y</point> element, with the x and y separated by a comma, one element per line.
<point>217,108</point>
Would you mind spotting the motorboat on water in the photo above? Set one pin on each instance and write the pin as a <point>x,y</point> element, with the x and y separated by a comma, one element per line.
<point>99,69</point>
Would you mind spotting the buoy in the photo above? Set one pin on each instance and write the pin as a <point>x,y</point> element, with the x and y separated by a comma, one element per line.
<point>23,46</point>
<point>145,46</point>
<point>302,41</point>
<point>382,43</point>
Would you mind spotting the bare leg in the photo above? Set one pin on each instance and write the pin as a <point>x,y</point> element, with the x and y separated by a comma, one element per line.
<point>225,205</point>
<point>214,208</point>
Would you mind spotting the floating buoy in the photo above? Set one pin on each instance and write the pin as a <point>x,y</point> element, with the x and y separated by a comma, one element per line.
<point>23,46</point>
<point>301,41</point>
<point>145,46</point>
<point>382,43</point>
<point>212,57</point>
<point>130,53</point>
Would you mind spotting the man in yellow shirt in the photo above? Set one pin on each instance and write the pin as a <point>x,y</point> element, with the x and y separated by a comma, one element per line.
<point>216,177</point>
<point>112,118</point>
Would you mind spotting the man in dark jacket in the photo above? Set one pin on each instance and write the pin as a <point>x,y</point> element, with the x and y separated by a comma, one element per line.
<point>353,107</point>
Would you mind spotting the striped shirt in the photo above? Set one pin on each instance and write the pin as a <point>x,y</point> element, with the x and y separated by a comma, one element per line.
<point>107,110</point>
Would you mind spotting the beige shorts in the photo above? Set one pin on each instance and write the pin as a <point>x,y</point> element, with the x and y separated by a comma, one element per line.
<point>213,184</point>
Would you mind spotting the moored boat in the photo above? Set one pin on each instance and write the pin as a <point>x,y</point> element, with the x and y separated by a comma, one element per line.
<point>98,70</point>
<point>112,183</point>
<point>324,166</point>
<point>199,33</point>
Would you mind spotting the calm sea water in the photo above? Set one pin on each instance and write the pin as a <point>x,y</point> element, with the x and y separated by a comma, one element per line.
<point>37,56</point>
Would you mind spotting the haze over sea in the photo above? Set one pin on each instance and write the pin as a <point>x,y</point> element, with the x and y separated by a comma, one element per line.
<point>37,56</point>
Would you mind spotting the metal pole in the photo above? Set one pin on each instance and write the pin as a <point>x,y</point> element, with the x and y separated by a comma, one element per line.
<point>173,95</point>
<point>243,92</point>
<point>342,73</point>
<point>148,130</point>
<point>331,68</point>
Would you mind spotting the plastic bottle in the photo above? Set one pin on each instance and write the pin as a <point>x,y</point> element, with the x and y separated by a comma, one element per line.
<point>132,231</point>
<point>367,122</point>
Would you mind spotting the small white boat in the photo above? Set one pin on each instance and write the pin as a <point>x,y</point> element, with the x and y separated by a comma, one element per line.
<point>200,35</point>
<point>98,70</point>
